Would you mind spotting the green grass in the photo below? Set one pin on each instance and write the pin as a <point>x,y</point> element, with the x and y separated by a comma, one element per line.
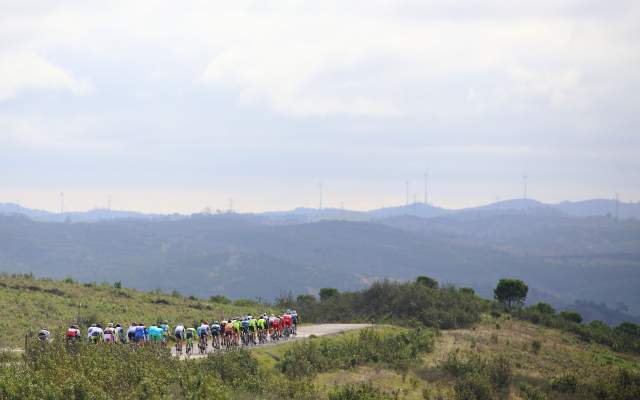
<point>28,304</point>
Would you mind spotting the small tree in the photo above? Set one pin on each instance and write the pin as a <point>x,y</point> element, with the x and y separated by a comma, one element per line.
<point>511,292</point>
<point>117,285</point>
<point>328,293</point>
<point>427,281</point>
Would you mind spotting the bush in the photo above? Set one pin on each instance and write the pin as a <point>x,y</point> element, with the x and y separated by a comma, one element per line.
<point>245,303</point>
<point>359,391</point>
<point>536,346</point>
<point>571,316</point>
<point>409,304</point>
<point>396,350</point>
<point>564,384</point>
<point>531,393</point>
<point>427,281</point>
<point>219,299</point>
<point>328,293</point>
<point>473,386</point>
<point>544,308</point>
<point>500,371</point>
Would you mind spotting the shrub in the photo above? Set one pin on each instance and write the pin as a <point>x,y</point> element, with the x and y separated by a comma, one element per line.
<point>328,293</point>
<point>531,393</point>
<point>473,386</point>
<point>359,391</point>
<point>219,299</point>
<point>396,350</point>
<point>500,371</point>
<point>571,316</point>
<point>564,384</point>
<point>245,303</point>
<point>536,346</point>
<point>544,308</point>
<point>427,281</point>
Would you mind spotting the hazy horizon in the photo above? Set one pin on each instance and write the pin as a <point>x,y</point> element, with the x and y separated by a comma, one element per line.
<point>176,108</point>
<point>238,207</point>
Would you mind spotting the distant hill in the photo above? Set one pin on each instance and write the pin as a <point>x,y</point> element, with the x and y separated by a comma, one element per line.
<point>248,256</point>
<point>587,208</point>
<point>98,214</point>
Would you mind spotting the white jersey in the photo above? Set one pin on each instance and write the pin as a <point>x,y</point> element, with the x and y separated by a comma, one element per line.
<point>90,331</point>
<point>179,330</point>
<point>97,332</point>
<point>131,332</point>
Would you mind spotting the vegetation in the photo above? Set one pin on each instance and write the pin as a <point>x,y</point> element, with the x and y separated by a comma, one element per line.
<point>511,293</point>
<point>623,338</point>
<point>28,304</point>
<point>405,304</point>
<point>397,350</point>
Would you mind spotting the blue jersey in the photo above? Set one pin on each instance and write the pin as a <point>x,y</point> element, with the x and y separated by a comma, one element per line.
<point>215,328</point>
<point>139,335</point>
<point>245,323</point>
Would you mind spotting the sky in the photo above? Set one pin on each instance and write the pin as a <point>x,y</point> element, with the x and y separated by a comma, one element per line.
<point>177,106</point>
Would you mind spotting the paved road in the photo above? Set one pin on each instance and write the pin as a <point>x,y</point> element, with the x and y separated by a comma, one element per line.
<point>304,331</point>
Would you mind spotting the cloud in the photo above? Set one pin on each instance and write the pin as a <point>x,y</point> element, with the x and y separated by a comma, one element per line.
<point>25,71</point>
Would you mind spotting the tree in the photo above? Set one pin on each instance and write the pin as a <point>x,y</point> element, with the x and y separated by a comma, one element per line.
<point>117,285</point>
<point>511,293</point>
<point>328,293</point>
<point>427,281</point>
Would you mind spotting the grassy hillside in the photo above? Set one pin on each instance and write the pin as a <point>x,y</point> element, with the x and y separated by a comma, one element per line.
<point>494,357</point>
<point>560,357</point>
<point>29,304</point>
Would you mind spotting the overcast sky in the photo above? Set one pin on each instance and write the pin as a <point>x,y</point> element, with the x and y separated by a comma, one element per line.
<point>175,106</point>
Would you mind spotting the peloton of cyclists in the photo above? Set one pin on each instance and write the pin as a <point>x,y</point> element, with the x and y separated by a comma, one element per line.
<point>244,330</point>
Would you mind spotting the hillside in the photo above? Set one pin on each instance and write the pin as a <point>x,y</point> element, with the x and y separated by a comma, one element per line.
<point>28,304</point>
<point>244,256</point>
<point>540,359</point>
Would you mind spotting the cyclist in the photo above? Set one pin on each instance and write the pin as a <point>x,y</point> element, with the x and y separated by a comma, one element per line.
<point>190,335</point>
<point>237,327</point>
<point>286,323</point>
<point>109,335</point>
<point>262,327</point>
<point>244,330</point>
<point>97,334</point>
<point>44,336</point>
<point>179,334</point>
<point>131,332</point>
<point>73,334</point>
<point>294,321</point>
<point>253,329</point>
<point>165,331</point>
<point>155,334</point>
<point>120,334</point>
<point>139,335</point>
<point>275,327</point>
<point>228,333</point>
<point>215,334</point>
<point>203,333</point>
